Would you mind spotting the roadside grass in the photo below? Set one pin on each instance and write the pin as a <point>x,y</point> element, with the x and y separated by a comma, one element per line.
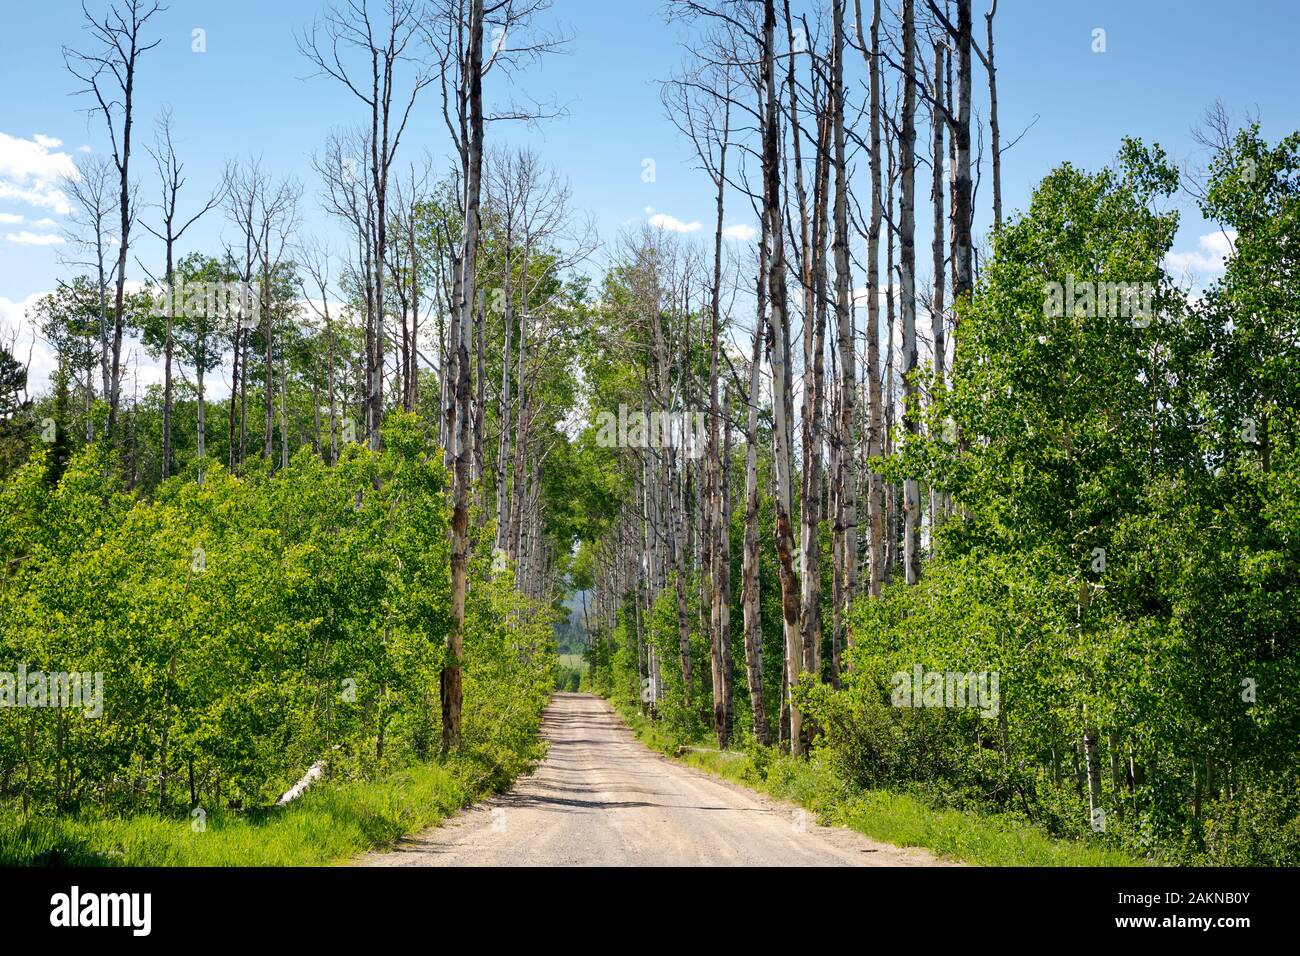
<point>903,819</point>
<point>329,824</point>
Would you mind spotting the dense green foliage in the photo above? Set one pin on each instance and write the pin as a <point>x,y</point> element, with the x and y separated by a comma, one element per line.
<point>1127,536</point>
<point>250,626</point>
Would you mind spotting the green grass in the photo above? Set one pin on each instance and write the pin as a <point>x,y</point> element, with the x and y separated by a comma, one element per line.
<point>327,825</point>
<point>982,839</point>
<point>574,661</point>
<point>902,819</point>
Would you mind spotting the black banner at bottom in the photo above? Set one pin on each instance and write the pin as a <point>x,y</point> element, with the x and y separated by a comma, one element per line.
<point>335,904</point>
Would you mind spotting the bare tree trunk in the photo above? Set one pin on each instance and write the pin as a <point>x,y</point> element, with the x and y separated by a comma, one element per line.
<point>118,35</point>
<point>231,445</point>
<point>963,249</point>
<point>892,490</point>
<point>372,403</point>
<point>812,278</point>
<point>167,361</point>
<point>412,396</point>
<point>269,403</point>
<point>284,412</point>
<point>480,394</point>
<point>239,374</point>
<point>451,673</point>
<point>846,518</point>
<point>749,571</point>
<point>521,425</point>
<point>995,144</point>
<point>450,400</point>
<point>907,293</point>
<point>713,498</point>
<point>201,442</point>
<point>719,551</point>
<point>650,549</point>
<point>640,669</point>
<point>329,383</point>
<point>683,609</point>
<point>937,122</point>
<point>779,357</point>
<point>680,521</point>
<point>1092,763</point>
<point>722,561</point>
<point>875,443</point>
<point>503,405</point>
<point>243,400</point>
<point>811,501</point>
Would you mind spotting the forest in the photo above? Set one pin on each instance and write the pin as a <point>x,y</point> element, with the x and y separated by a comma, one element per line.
<point>1013,529</point>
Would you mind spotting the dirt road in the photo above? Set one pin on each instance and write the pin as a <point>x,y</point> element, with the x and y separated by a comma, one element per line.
<point>602,798</point>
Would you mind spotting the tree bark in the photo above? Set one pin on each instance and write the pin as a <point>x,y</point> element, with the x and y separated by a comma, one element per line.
<point>995,140</point>
<point>875,489</point>
<point>451,673</point>
<point>846,483</point>
<point>963,249</point>
<point>907,292</point>
<point>749,570</point>
<point>779,358</point>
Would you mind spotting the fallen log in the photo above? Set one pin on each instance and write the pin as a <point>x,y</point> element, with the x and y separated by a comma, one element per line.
<point>314,773</point>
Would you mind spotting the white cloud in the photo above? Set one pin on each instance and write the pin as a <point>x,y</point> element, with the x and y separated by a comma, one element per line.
<point>661,220</point>
<point>1214,249</point>
<point>27,341</point>
<point>10,218</point>
<point>741,232</point>
<point>44,224</point>
<point>140,369</point>
<point>41,195</point>
<point>26,238</point>
<point>84,149</point>
<point>30,172</point>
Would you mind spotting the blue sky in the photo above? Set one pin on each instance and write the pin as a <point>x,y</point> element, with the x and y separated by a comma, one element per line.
<point>248,94</point>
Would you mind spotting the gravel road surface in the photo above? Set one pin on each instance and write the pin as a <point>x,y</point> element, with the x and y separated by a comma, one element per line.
<point>602,798</point>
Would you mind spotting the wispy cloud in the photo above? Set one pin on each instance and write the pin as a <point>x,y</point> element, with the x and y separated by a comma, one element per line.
<point>1208,259</point>
<point>28,238</point>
